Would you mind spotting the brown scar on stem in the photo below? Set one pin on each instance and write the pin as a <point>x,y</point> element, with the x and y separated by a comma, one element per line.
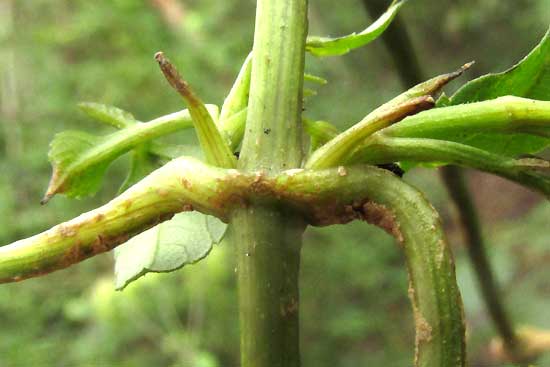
<point>382,217</point>
<point>328,213</point>
<point>185,183</point>
<point>66,230</point>
<point>289,308</point>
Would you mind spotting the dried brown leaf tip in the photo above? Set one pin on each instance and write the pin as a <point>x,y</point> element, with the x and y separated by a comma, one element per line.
<point>174,78</point>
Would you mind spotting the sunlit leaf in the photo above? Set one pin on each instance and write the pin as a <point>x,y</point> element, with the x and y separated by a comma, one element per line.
<point>185,239</point>
<point>326,46</point>
<point>109,115</point>
<point>79,159</point>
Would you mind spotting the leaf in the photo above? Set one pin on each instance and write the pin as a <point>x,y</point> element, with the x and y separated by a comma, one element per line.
<point>326,46</point>
<point>237,99</point>
<point>185,239</point>
<point>79,159</point>
<point>530,78</point>
<point>109,115</point>
<point>65,149</point>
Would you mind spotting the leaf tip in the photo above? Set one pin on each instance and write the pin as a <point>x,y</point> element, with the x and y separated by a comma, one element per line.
<point>467,65</point>
<point>159,56</point>
<point>46,198</point>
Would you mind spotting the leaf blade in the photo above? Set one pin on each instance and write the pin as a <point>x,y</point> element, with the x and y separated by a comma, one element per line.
<point>90,155</point>
<point>326,46</point>
<point>185,239</point>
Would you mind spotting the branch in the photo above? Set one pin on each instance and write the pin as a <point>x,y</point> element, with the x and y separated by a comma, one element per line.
<point>529,172</point>
<point>416,99</point>
<point>507,114</point>
<point>338,150</point>
<point>343,194</point>
<point>181,185</point>
<point>100,151</point>
<point>399,44</point>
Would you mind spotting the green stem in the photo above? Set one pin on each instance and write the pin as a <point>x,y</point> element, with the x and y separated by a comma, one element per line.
<point>364,192</point>
<point>181,185</point>
<point>273,136</point>
<point>267,238</point>
<point>505,115</point>
<point>338,150</point>
<point>403,54</point>
<point>268,261</point>
<point>379,149</point>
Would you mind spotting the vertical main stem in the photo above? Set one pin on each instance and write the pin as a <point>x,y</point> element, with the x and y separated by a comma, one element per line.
<point>273,135</point>
<point>268,238</point>
<point>268,263</point>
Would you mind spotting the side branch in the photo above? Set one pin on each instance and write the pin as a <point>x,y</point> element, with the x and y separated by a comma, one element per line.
<point>340,195</point>
<point>181,185</point>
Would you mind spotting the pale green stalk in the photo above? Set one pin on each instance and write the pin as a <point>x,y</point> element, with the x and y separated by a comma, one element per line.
<point>181,185</point>
<point>505,114</point>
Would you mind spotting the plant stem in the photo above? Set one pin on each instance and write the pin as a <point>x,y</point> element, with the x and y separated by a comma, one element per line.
<point>267,238</point>
<point>268,262</point>
<point>398,43</point>
<point>340,195</point>
<point>273,136</point>
<point>181,185</point>
<point>381,149</point>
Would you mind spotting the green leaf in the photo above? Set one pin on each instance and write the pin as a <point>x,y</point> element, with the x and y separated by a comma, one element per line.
<point>487,114</point>
<point>79,159</point>
<point>237,99</point>
<point>326,46</point>
<point>109,115</point>
<point>65,149</point>
<point>185,239</point>
<point>530,78</point>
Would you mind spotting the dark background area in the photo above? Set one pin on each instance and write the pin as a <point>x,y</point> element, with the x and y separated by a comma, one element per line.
<point>354,311</point>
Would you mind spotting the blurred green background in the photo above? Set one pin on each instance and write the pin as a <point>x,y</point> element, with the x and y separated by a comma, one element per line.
<point>355,311</point>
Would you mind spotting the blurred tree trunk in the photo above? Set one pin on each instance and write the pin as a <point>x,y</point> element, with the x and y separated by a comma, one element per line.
<point>172,11</point>
<point>9,103</point>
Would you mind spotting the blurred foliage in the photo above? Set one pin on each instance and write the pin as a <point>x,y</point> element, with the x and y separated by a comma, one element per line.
<point>54,54</point>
